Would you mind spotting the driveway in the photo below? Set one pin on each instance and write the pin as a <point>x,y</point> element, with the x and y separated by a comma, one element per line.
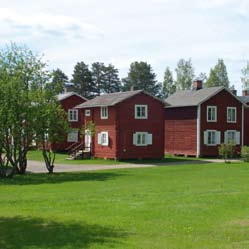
<point>39,167</point>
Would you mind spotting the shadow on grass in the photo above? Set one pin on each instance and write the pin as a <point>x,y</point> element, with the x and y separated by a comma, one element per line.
<point>59,178</point>
<point>167,160</point>
<point>22,233</point>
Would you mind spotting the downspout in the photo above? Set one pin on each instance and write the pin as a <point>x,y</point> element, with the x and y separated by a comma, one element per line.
<point>198,131</point>
<point>242,129</point>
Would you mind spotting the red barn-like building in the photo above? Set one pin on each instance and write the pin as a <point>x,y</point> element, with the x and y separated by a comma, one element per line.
<point>127,125</point>
<point>199,120</point>
<point>68,101</point>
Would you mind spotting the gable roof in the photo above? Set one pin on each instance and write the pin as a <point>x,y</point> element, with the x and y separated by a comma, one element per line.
<point>112,99</point>
<point>63,96</point>
<point>244,99</point>
<point>193,97</point>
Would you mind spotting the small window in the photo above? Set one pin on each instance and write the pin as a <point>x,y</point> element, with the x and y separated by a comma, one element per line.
<point>73,115</point>
<point>142,139</point>
<point>211,114</point>
<point>141,111</point>
<point>104,112</point>
<point>103,138</point>
<point>211,137</point>
<point>231,114</point>
<point>87,113</point>
<point>72,136</point>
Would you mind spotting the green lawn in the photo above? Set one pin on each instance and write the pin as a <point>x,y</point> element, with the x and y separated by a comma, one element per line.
<point>61,158</point>
<point>190,206</point>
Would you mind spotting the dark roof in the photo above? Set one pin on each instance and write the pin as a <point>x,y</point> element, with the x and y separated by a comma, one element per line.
<point>63,96</point>
<point>109,99</point>
<point>244,99</point>
<point>192,97</point>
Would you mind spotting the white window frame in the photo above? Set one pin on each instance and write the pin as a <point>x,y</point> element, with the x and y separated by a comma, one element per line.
<point>73,138</point>
<point>103,138</point>
<point>217,137</point>
<point>73,115</point>
<point>236,136</point>
<point>231,108</point>
<point>145,139</point>
<point>87,113</point>
<point>215,113</point>
<point>146,111</point>
<point>104,112</point>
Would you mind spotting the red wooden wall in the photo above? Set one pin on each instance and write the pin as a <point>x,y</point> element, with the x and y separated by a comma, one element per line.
<point>222,100</point>
<point>181,130</point>
<point>127,125</point>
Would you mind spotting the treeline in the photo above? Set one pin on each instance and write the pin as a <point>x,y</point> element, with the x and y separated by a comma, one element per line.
<point>91,81</point>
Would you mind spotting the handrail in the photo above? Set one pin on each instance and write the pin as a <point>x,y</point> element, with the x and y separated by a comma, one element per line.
<point>71,146</point>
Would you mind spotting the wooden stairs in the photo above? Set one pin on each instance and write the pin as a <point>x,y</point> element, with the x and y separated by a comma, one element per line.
<point>78,151</point>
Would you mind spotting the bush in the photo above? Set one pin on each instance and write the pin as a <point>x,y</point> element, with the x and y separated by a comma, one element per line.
<point>227,151</point>
<point>245,153</point>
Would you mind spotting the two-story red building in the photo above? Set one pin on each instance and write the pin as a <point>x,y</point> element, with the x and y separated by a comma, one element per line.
<point>127,125</point>
<point>199,120</point>
<point>68,101</point>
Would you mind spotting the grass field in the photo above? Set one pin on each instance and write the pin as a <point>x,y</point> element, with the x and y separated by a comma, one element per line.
<point>191,206</point>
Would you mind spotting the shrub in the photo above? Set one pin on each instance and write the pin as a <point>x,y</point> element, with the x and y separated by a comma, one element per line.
<point>227,151</point>
<point>245,153</point>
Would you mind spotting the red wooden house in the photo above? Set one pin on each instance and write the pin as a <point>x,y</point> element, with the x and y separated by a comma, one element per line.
<point>68,101</point>
<point>199,120</point>
<point>127,125</point>
<point>245,99</point>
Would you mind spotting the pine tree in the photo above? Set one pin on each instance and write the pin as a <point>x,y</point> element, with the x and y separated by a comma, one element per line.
<point>111,80</point>
<point>184,75</point>
<point>58,81</point>
<point>82,79</point>
<point>141,77</point>
<point>168,83</point>
<point>245,77</point>
<point>98,76</point>
<point>218,75</point>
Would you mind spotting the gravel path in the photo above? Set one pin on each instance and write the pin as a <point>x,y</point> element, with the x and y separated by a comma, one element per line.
<point>39,167</point>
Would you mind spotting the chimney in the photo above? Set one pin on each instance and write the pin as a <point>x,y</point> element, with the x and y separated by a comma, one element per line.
<point>197,85</point>
<point>245,92</point>
<point>234,92</point>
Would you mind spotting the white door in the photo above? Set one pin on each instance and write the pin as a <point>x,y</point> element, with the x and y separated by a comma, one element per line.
<point>87,140</point>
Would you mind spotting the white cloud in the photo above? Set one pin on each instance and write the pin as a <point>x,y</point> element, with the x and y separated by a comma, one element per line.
<point>43,25</point>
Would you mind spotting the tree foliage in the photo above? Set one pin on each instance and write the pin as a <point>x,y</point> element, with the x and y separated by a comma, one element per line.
<point>168,83</point>
<point>141,77</point>
<point>111,80</point>
<point>245,77</point>
<point>218,75</point>
<point>82,79</point>
<point>59,79</point>
<point>184,74</point>
<point>23,79</point>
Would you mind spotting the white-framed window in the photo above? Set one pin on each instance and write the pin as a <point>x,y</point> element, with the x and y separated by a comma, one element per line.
<point>87,113</point>
<point>103,138</point>
<point>72,136</point>
<point>211,113</point>
<point>73,115</point>
<point>231,114</point>
<point>141,111</point>
<point>142,139</point>
<point>104,112</point>
<point>211,137</point>
<point>232,136</point>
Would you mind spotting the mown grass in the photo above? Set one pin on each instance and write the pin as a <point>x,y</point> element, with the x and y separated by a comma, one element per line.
<point>187,206</point>
<point>61,158</point>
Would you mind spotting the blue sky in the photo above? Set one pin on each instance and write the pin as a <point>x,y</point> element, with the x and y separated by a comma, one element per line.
<point>120,32</point>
